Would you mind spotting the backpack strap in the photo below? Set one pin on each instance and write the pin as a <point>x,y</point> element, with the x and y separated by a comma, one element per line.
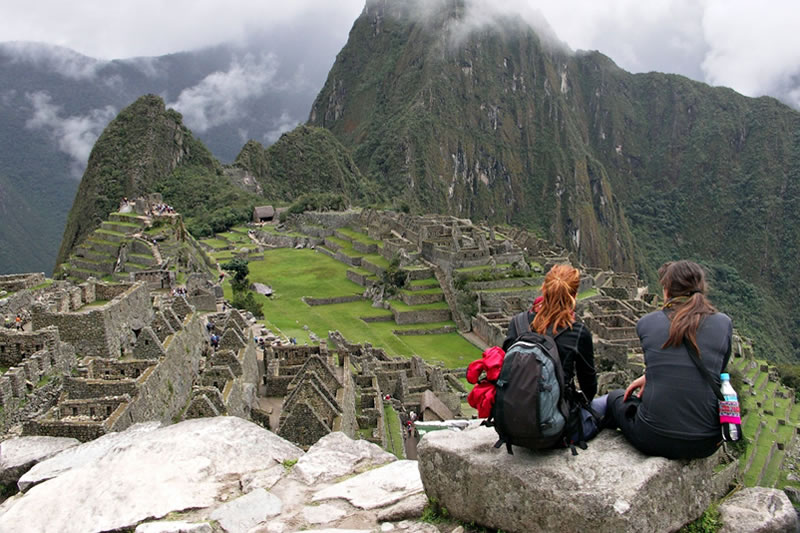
<point>521,323</point>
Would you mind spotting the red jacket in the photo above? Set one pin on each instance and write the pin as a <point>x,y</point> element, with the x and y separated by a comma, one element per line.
<point>483,393</point>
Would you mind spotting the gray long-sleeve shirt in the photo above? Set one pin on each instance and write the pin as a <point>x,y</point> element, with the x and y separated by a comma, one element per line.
<point>677,400</point>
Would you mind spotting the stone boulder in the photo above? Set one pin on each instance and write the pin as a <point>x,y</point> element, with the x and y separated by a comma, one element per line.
<point>610,487</point>
<point>758,510</point>
<point>219,474</point>
<point>18,455</point>
<point>147,474</point>
<point>336,455</point>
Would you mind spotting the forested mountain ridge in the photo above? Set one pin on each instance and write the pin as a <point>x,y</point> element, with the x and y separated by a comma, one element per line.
<point>490,121</point>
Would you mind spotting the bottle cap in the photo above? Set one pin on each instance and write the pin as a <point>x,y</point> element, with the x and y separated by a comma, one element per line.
<point>725,376</point>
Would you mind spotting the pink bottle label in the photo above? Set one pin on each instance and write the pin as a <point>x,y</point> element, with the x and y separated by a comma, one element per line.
<point>729,412</point>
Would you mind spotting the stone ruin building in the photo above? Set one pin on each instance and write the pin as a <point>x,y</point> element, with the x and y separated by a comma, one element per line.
<point>323,391</point>
<point>98,357</point>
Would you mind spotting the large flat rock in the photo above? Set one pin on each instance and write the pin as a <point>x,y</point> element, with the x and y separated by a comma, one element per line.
<point>376,488</point>
<point>610,487</point>
<point>145,474</point>
<point>336,455</point>
<point>19,454</point>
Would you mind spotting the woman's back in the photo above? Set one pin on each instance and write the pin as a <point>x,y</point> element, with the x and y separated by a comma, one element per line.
<point>678,402</point>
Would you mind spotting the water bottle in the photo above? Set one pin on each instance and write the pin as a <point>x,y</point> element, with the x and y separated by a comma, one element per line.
<point>729,409</point>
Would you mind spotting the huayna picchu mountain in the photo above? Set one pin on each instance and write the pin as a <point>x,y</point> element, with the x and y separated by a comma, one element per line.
<point>490,121</point>
<point>143,145</point>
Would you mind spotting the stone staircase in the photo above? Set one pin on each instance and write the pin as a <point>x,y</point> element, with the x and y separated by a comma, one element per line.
<point>98,256</point>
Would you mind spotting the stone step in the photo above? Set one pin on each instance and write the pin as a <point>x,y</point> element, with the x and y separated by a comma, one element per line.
<point>100,245</point>
<point>129,219</point>
<point>104,267</point>
<point>121,227</point>
<point>84,274</point>
<point>109,235</point>
<point>86,252</point>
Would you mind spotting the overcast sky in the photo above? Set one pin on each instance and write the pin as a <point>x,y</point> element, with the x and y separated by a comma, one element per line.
<point>750,46</point>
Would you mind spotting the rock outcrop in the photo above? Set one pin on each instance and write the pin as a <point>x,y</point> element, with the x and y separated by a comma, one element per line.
<point>610,487</point>
<point>216,474</point>
<point>18,455</point>
<point>758,510</point>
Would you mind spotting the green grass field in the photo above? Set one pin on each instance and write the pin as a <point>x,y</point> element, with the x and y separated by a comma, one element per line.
<point>297,273</point>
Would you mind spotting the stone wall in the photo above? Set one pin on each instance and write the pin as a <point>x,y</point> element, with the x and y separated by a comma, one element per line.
<point>104,331</point>
<point>15,346</point>
<point>328,301</point>
<point>421,316</point>
<point>359,279</point>
<point>86,388</point>
<point>17,282</point>
<point>165,390</point>
<point>155,279</point>
<point>418,298</point>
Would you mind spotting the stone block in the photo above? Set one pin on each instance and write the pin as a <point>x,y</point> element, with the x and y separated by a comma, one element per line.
<point>610,487</point>
<point>758,509</point>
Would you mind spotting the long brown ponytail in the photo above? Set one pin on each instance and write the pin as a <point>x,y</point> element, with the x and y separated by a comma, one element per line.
<point>685,284</point>
<point>559,293</point>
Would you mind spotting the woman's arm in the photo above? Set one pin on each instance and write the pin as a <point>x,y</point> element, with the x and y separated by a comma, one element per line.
<point>584,366</point>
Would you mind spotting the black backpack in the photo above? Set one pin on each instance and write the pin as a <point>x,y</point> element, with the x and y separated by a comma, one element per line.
<point>533,407</point>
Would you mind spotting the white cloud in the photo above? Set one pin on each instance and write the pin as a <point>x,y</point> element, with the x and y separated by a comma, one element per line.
<point>280,126</point>
<point>755,53</point>
<point>74,135</point>
<point>128,28</point>
<point>220,96</point>
<point>752,47</point>
<point>63,61</point>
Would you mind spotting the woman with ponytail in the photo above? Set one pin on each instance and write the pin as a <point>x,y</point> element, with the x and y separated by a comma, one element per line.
<point>675,413</point>
<point>553,314</point>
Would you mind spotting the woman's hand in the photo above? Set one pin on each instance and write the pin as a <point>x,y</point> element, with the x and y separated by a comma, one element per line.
<point>637,383</point>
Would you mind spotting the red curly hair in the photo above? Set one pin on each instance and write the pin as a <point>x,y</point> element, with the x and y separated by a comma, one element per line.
<point>559,294</point>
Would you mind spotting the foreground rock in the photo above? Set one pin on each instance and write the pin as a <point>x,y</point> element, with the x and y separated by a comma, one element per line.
<point>608,488</point>
<point>214,475</point>
<point>758,510</point>
<point>18,455</point>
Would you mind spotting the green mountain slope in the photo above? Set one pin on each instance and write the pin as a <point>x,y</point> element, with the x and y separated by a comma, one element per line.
<point>479,128</point>
<point>307,155</point>
<point>143,145</point>
<point>626,170</point>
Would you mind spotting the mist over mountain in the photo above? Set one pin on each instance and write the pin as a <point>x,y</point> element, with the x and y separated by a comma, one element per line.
<point>54,103</point>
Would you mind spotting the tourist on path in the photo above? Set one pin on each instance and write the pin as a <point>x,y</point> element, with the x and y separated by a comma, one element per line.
<point>676,414</point>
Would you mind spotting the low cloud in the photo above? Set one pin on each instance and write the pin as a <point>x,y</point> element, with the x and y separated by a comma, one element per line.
<point>74,135</point>
<point>280,126</point>
<point>63,61</point>
<point>220,97</point>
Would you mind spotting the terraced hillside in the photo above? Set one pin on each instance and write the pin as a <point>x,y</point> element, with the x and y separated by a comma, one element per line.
<point>127,243</point>
<point>771,423</point>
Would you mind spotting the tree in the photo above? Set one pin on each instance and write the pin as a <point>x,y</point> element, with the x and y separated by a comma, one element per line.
<point>240,271</point>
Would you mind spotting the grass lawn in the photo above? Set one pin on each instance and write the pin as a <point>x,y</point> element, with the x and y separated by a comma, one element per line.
<point>394,433</point>
<point>377,260</point>
<point>587,293</point>
<point>297,273</point>
<point>235,237</point>
<point>215,243</point>
<point>360,237</point>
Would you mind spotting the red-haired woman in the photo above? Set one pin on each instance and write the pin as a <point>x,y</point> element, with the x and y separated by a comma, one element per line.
<point>553,314</point>
<point>677,415</point>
